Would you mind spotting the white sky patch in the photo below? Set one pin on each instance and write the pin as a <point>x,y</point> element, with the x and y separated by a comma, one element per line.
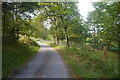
<point>85,6</point>
<point>47,23</point>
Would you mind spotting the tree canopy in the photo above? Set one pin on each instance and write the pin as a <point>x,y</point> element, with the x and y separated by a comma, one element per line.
<point>104,20</point>
<point>61,21</point>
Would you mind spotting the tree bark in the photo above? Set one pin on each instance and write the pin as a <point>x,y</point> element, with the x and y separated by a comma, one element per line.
<point>66,35</point>
<point>57,40</point>
<point>4,18</point>
<point>67,39</point>
<point>67,42</point>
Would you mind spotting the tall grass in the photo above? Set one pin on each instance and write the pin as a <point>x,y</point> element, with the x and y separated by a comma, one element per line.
<point>14,56</point>
<point>88,62</point>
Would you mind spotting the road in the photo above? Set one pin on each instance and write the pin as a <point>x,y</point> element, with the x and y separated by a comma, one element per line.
<point>46,64</point>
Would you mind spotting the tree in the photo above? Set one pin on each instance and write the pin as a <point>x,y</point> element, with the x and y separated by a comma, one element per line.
<point>105,18</point>
<point>14,19</point>
<point>65,19</point>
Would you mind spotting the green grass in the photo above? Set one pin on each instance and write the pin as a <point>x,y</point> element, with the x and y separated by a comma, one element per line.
<point>17,55</point>
<point>86,63</point>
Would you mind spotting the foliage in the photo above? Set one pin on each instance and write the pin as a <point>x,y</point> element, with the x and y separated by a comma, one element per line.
<point>16,20</point>
<point>62,22</point>
<point>17,55</point>
<point>66,22</point>
<point>104,21</point>
<point>85,63</point>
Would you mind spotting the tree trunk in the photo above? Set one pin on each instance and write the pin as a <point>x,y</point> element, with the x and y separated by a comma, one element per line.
<point>4,20</point>
<point>67,39</point>
<point>57,40</point>
<point>66,35</point>
<point>13,25</point>
<point>118,42</point>
<point>67,42</point>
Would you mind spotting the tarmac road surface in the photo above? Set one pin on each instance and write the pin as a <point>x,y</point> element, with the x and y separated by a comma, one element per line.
<point>46,64</point>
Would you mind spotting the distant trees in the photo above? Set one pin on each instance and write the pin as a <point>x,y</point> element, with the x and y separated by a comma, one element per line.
<point>66,21</point>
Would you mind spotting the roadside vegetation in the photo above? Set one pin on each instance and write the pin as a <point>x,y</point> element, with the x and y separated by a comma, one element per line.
<point>88,62</point>
<point>81,42</point>
<point>17,45</point>
<point>62,23</point>
<point>17,55</point>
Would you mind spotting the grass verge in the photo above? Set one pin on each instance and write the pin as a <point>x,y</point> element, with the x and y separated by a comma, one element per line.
<point>85,63</point>
<point>17,55</point>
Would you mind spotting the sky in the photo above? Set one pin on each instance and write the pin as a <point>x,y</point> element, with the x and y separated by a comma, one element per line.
<point>85,6</point>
